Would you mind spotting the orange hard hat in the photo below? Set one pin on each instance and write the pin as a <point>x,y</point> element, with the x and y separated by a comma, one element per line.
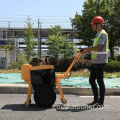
<point>97,19</point>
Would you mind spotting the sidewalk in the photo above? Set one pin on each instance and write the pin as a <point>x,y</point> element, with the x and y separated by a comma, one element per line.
<point>23,88</point>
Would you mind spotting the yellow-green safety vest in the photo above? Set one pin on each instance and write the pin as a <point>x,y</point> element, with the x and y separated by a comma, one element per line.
<point>94,53</point>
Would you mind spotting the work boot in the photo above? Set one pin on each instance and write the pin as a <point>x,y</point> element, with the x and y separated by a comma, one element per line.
<point>98,105</point>
<point>92,103</point>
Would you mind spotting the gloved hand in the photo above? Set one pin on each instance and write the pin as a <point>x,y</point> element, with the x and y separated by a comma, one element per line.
<point>81,50</point>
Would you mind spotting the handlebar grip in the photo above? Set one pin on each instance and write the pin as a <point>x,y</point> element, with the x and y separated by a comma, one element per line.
<point>81,50</point>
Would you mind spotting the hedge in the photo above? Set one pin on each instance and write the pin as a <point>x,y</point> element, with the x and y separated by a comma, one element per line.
<point>62,66</point>
<point>112,66</point>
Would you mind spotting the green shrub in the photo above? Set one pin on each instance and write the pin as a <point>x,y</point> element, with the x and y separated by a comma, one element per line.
<point>63,65</point>
<point>109,67</point>
<point>112,66</point>
<point>82,64</point>
<point>87,56</point>
<point>14,65</point>
<point>21,59</point>
<point>118,58</point>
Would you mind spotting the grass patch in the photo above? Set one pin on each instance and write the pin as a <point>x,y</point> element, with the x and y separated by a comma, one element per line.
<point>86,73</point>
<point>10,71</point>
<point>80,73</point>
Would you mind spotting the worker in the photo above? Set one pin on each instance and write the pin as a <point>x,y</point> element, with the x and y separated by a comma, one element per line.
<point>99,58</point>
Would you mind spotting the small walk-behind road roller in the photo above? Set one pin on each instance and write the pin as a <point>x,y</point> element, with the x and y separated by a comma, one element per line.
<point>43,80</point>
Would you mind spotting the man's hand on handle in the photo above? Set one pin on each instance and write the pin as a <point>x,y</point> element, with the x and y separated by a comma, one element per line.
<point>81,50</point>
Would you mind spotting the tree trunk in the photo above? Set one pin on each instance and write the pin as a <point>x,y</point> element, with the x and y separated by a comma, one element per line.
<point>111,52</point>
<point>6,60</point>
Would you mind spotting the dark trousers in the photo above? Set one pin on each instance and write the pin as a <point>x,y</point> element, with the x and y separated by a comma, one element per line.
<point>97,72</point>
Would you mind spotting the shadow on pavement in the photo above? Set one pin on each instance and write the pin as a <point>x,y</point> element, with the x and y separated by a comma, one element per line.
<point>34,107</point>
<point>22,107</point>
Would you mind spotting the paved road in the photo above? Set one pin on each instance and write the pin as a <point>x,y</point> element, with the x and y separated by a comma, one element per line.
<point>12,108</point>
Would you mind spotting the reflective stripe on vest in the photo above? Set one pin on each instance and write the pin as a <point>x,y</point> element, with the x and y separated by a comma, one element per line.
<point>94,53</point>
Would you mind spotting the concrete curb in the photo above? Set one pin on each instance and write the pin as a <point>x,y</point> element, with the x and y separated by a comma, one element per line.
<point>23,88</point>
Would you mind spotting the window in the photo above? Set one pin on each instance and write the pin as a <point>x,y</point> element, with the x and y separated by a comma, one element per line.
<point>3,61</point>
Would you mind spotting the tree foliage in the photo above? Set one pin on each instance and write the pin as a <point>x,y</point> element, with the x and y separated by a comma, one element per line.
<point>59,45</point>
<point>110,11</point>
<point>21,59</point>
<point>29,40</point>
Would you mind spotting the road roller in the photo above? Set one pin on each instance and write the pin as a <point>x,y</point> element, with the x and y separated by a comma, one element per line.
<point>42,79</point>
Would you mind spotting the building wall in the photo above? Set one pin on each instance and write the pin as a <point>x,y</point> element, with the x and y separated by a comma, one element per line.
<point>3,57</point>
<point>10,57</point>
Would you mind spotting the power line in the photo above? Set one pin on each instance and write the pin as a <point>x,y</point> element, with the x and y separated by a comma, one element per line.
<point>35,15</point>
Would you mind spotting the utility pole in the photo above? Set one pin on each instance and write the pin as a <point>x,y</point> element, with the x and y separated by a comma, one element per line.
<point>7,42</point>
<point>8,30</point>
<point>40,39</point>
<point>39,50</point>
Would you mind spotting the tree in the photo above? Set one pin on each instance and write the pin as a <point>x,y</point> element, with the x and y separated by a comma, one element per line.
<point>59,45</point>
<point>29,40</point>
<point>110,11</point>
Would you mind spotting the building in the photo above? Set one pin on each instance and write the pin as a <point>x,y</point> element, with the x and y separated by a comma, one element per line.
<point>7,34</point>
<point>8,53</point>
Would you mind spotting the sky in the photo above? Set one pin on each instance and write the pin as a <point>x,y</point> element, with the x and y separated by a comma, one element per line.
<point>44,10</point>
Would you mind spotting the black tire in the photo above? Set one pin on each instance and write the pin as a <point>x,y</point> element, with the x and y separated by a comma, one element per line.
<point>45,100</point>
<point>43,89</point>
<point>36,88</point>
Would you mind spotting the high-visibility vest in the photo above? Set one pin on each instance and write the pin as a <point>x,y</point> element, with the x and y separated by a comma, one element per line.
<point>95,53</point>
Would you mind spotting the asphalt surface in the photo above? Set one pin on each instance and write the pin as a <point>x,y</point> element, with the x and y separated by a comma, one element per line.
<point>12,108</point>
